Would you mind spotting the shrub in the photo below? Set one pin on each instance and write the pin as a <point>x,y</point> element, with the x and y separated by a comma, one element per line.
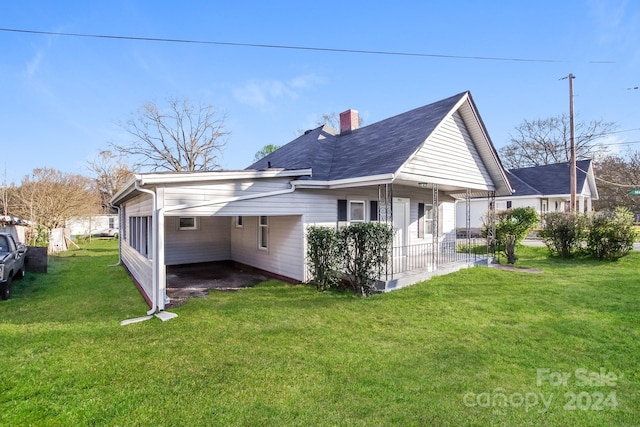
<point>355,253</point>
<point>564,233</point>
<point>323,256</point>
<point>365,247</point>
<point>611,235</point>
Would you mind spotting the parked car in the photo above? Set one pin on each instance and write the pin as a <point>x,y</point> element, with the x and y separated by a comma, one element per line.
<point>109,232</point>
<point>12,258</point>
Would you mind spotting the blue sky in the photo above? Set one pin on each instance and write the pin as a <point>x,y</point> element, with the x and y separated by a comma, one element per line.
<point>63,97</point>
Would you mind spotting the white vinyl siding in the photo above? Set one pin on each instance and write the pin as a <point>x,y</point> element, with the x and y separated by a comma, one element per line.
<point>286,246</point>
<point>449,154</point>
<point>210,242</point>
<point>140,268</point>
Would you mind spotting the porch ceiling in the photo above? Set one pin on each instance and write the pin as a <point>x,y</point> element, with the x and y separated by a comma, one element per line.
<point>457,191</point>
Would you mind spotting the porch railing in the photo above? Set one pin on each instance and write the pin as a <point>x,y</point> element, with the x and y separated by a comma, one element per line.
<point>423,256</point>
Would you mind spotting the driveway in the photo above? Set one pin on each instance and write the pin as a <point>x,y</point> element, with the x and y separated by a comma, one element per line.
<point>538,242</point>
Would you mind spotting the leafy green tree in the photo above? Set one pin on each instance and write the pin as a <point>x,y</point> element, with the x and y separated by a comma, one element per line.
<point>265,151</point>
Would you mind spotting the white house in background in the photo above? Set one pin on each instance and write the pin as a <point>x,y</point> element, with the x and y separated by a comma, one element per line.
<point>545,188</point>
<point>92,225</point>
<point>406,170</point>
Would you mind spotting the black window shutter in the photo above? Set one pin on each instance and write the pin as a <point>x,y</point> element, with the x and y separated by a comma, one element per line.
<point>420,220</point>
<point>373,210</point>
<point>342,210</point>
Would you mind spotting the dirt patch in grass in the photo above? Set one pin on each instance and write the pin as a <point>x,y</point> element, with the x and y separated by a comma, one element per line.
<point>514,268</point>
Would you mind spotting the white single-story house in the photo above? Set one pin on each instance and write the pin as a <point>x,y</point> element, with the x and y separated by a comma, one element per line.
<point>545,188</point>
<point>406,170</point>
<point>90,225</point>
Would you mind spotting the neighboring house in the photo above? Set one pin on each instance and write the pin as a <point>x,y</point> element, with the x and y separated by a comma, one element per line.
<point>545,188</point>
<point>93,225</point>
<point>406,170</point>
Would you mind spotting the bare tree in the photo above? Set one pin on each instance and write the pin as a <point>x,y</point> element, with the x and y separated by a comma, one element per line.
<point>184,137</point>
<point>48,198</point>
<point>546,141</point>
<point>616,176</point>
<point>110,173</point>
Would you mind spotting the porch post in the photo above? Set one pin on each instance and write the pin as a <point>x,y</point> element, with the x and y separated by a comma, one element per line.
<point>436,227</point>
<point>385,214</point>
<point>467,202</point>
<point>491,229</point>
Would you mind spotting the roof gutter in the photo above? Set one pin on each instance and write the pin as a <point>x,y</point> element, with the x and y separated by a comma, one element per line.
<point>386,178</point>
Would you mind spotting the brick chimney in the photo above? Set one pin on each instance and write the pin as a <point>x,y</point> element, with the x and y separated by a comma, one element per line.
<point>349,121</point>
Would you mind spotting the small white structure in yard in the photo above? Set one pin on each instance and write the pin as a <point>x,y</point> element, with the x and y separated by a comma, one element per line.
<point>15,226</point>
<point>407,171</point>
<point>545,188</point>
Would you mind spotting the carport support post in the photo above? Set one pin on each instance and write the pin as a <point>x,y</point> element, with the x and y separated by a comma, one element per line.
<point>161,268</point>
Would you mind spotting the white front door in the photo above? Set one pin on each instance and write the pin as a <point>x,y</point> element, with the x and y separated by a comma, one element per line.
<point>400,224</point>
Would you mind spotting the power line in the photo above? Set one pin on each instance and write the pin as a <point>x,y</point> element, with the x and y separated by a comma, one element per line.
<point>610,182</point>
<point>620,131</point>
<point>292,47</point>
<point>619,143</point>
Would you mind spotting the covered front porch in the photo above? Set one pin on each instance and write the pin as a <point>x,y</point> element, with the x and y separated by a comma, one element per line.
<point>426,247</point>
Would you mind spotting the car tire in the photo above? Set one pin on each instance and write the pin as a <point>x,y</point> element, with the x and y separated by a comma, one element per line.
<point>21,273</point>
<point>5,289</point>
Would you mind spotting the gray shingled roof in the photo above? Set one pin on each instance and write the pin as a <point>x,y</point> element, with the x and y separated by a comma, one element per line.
<point>547,179</point>
<point>379,148</point>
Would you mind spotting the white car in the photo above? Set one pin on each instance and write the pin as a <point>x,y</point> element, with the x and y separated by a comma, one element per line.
<point>12,257</point>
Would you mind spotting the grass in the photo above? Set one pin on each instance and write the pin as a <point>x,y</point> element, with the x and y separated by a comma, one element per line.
<point>281,355</point>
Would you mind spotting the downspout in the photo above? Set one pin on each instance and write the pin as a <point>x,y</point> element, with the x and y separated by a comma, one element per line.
<point>154,250</point>
<point>119,237</point>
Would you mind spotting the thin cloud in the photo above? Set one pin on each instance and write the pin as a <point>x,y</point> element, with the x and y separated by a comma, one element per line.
<point>264,94</point>
<point>615,22</point>
<point>33,65</point>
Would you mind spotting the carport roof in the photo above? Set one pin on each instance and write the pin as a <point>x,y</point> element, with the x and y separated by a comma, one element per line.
<point>151,179</point>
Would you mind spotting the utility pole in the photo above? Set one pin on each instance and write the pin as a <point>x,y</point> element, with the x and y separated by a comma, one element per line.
<point>574,178</point>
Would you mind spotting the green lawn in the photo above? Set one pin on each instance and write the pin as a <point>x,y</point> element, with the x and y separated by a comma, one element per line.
<point>445,352</point>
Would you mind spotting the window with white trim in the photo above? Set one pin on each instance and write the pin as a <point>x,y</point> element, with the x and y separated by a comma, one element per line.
<point>428,219</point>
<point>187,223</point>
<point>425,220</point>
<point>356,211</point>
<point>140,236</point>
<point>239,222</point>
<point>263,232</point>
